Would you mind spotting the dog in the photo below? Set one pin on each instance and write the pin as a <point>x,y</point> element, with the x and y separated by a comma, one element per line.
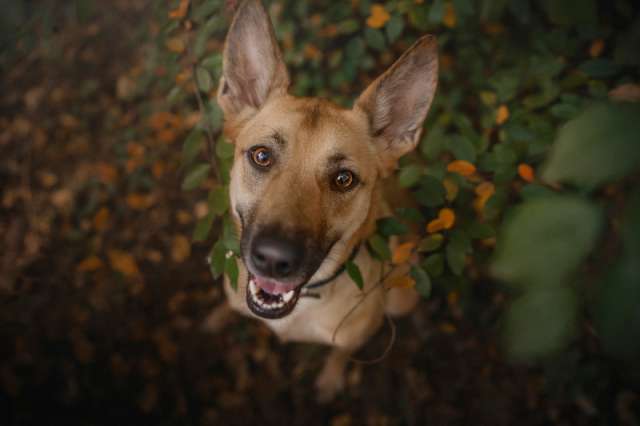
<point>307,188</point>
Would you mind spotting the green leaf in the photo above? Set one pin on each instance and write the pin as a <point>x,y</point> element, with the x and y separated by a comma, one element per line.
<point>480,231</point>
<point>389,226</point>
<point>617,313</point>
<point>354,273</point>
<point>540,322</point>
<point>394,28</point>
<point>224,149</point>
<point>431,243</point>
<point>431,192</point>
<point>203,226</point>
<point>218,200</point>
<point>545,239</point>
<point>375,39</point>
<point>191,147</point>
<point>455,257</point>
<point>380,247</point>
<point>196,176</point>
<point>203,79</point>
<point>229,236</point>
<point>217,258</point>
<point>423,282</point>
<point>597,147</point>
<point>434,265</point>
<point>231,270</point>
<point>409,175</point>
<point>571,12</point>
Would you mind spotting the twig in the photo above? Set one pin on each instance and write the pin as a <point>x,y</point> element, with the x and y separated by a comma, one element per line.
<point>388,318</point>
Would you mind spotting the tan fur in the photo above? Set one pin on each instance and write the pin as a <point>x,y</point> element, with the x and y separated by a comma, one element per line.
<point>296,193</point>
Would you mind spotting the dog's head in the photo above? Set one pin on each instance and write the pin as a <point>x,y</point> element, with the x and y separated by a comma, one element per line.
<point>306,173</point>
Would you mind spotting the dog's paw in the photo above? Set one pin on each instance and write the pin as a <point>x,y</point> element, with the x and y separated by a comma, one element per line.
<point>328,385</point>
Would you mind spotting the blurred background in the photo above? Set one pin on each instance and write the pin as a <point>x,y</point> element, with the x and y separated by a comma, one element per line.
<point>113,226</point>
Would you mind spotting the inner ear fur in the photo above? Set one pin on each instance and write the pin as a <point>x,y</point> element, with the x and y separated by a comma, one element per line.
<point>397,102</point>
<point>252,67</point>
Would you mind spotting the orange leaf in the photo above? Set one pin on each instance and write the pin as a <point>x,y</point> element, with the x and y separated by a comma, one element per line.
<point>106,173</point>
<point>180,248</point>
<point>90,264</point>
<point>449,18</point>
<point>139,201</point>
<point>124,263</point>
<point>402,253</point>
<point>626,92</point>
<point>526,172</point>
<point>401,281</point>
<point>448,218</point>
<point>379,16</point>
<point>461,167</point>
<point>596,48</point>
<point>435,225</point>
<point>181,11</point>
<point>175,45</point>
<point>502,115</point>
<point>101,219</point>
<point>485,189</point>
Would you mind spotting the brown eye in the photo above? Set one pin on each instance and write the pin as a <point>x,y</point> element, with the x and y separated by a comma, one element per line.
<point>344,180</point>
<point>261,156</point>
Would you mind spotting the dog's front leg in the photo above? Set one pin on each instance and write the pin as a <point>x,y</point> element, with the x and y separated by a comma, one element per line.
<point>330,381</point>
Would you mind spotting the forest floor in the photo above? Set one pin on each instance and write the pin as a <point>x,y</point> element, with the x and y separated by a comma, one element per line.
<point>103,294</point>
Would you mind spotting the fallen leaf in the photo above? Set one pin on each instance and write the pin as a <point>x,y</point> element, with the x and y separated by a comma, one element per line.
<point>379,16</point>
<point>62,198</point>
<point>176,45</point>
<point>138,201</point>
<point>90,264</point>
<point>180,248</point>
<point>124,263</point>
<point>461,167</point>
<point>402,253</point>
<point>101,219</point>
<point>106,173</point>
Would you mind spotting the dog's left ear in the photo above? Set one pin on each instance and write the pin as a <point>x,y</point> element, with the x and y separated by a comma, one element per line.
<point>252,66</point>
<point>398,101</point>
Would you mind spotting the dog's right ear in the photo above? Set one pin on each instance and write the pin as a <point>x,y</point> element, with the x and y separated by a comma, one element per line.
<point>252,67</point>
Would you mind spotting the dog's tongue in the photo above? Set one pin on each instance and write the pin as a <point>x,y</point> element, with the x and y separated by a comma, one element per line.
<point>273,287</point>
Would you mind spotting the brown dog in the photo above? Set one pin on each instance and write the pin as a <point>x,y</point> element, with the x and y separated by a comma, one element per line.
<point>306,190</point>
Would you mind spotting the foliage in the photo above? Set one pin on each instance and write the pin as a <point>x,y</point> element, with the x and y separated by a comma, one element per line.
<point>512,73</point>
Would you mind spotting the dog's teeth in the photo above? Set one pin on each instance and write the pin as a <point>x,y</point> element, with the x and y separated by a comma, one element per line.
<point>253,287</point>
<point>288,296</point>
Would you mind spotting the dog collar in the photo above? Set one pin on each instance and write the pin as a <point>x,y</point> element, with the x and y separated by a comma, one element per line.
<point>335,275</point>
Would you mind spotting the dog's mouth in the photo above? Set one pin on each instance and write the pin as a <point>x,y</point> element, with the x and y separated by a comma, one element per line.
<point>271,299</point>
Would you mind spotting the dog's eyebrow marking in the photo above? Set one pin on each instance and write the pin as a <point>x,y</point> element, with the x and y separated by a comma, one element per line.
<point>337,158</point>
<point>278,139</point>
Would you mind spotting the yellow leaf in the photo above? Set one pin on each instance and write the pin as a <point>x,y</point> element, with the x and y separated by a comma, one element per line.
<point>461,167</point>
<point>181,11</point>
<point>379,16</point>
<point>502,115</point>
<point>485,189</point>
<point>401,281</point>
<point>402,253</point>
<point>449,18</point>
<point>526,172</point>
<point>90,264</point>
<point>175,45</point>
<point>435,225</point>
<point>101,219</point>
<point>448,218</point>
<point>488,98</point>
<point>124,263</point>
<point>452,189</point>
<point>180,248</point>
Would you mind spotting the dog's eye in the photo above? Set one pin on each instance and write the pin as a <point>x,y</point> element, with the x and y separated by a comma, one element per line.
<point>344,180</point>
<point>261,156</point>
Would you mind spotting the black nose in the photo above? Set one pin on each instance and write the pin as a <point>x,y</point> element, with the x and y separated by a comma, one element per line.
<point>276,257</point>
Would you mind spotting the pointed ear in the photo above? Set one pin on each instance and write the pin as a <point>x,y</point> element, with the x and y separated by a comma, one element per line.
<point>252,67</point>
<point>397,102</point>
